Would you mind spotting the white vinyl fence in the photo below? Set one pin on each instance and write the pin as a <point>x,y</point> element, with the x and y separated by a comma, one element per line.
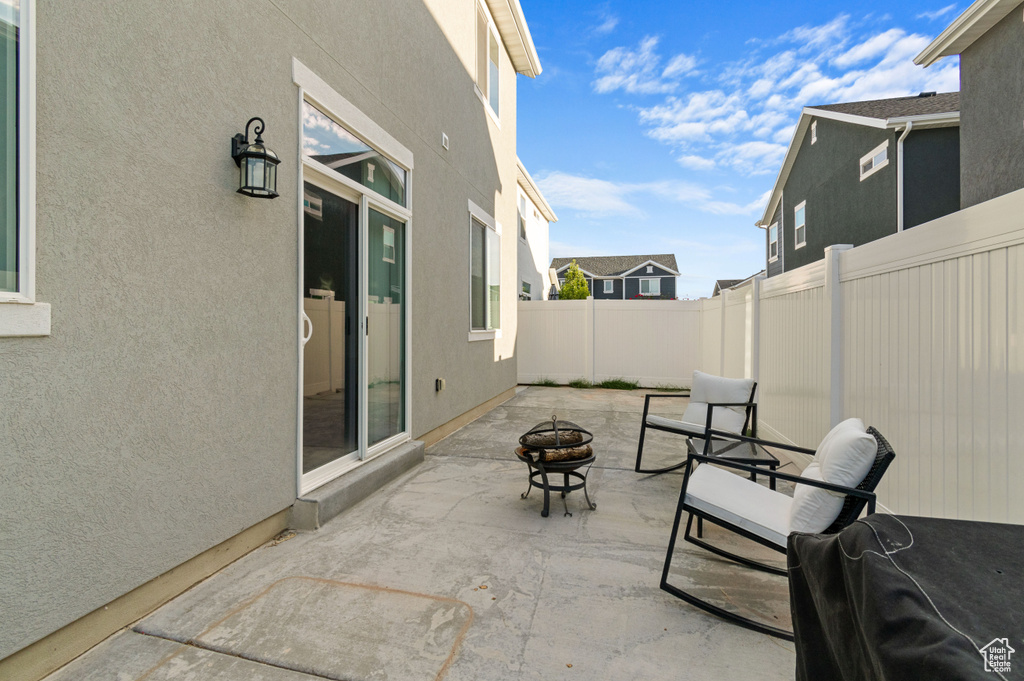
<point>920,334</point>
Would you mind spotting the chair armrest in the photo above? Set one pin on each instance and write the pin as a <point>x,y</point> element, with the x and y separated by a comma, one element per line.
<point>777,475</point>
<point>648,396</point>
<point>726,435</point>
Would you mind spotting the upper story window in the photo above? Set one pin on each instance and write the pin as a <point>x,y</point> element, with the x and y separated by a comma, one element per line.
<point>650,287</point>
<point>325,141</point>
<point>800,225</point>
<point>487,58</point>
<point>773,242</point>
<point>525,294</point>
<point>20,315</point>
<point>522,218</point>
<point>484,274</point>
<point>389,244</point>
<point>874,160</point>
<point>609,286</point>
<point>814,131</point>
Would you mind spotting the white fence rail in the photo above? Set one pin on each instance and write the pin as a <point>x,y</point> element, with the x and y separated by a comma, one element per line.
<point>921,334</point>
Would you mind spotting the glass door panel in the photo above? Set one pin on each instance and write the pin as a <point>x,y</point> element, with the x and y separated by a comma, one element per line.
<point>330,376</point>
<point>386,319</point>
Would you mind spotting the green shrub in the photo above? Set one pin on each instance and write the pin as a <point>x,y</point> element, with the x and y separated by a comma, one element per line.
<point>580,383</point>
<point>619,384</point>
<point>575,286</point>
<point>671,389</point>
<point>547,382</point>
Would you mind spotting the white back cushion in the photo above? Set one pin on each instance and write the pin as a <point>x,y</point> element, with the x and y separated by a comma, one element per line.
<point>708,388</point>
<point>844,457</point>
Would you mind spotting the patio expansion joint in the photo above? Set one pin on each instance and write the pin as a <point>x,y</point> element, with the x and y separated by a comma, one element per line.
<point>192,643</point>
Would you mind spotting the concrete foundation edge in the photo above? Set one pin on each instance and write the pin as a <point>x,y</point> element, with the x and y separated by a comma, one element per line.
<point>62,646</point>
<point>312,510</point>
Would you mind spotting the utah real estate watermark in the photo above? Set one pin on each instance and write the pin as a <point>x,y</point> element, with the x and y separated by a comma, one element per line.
<point>997,655</point>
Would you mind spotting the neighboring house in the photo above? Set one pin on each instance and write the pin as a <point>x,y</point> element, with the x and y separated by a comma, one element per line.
<point>534,219</point>
<point>620,277</point>
<point>989,37</point>
<point>724,284</point>
<point>859,171</point>
<point>216,367</point>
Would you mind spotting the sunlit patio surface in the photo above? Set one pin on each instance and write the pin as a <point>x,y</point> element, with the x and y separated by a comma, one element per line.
<point>446,573</point>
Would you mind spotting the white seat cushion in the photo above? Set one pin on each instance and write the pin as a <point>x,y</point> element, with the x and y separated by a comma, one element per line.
<point>706,389</point>
<point>739,501</point>
<point>673,424</point>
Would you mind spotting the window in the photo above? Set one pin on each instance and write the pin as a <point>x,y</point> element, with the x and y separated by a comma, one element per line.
<point>800,225</point>
<point>814,132</point>
<point>650,287</point>
<point>20,314</point>
<point>874,160</point>
<point>487,58</point>
<point>650,269</point>
<point>522,218</point>
<point>609,286</point>
<point>484,274</point>
<point>389,245</point>
<point>773,242</point>
<point>525,294</point>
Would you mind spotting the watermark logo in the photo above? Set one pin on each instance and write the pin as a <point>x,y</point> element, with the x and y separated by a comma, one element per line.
<point>997,655</point>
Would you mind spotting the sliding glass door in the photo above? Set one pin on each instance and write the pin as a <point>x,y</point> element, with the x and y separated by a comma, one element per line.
<point>386,318</point>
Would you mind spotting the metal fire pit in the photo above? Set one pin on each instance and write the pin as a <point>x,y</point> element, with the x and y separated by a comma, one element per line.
<point>557,447</point>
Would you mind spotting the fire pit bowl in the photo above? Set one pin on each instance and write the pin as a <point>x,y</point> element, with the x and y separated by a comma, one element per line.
<point>557,447</point>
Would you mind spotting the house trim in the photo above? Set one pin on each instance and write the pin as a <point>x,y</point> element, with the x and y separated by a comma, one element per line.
<point>510,22</point>
<point>864,174</point>
<point>533,191</point>
<point>485,218</point>
<point>645,264</point>
<point>800,244</point>
<point>965,29</point>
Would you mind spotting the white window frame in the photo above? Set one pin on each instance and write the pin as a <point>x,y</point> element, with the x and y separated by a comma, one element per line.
<point>485,95</point>
<point>489,222</point>
<point>814,131</point>
<point>522,218</point>
<point>870,157</point>
<point>655,285</point>
<point>20,313</point>
<point>797,241</point>
<point>609,286</point>
<point>773,242</point>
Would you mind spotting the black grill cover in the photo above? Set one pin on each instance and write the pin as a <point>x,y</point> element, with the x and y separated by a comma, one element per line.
<point>903,598</point>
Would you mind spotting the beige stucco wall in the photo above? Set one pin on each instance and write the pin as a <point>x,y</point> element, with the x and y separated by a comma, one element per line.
<point>159,417</point>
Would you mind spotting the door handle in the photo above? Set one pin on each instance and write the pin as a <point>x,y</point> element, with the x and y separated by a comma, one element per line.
<point>307,320</point>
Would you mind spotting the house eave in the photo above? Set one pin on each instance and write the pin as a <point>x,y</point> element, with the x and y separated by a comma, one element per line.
<point>511,24</point>
<point>965,29</point>
<point>924,121</point>
<point>533,191</point>
<point>650,262</point>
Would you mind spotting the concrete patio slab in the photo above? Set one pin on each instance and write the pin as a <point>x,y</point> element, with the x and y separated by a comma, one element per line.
<point>450,547</point>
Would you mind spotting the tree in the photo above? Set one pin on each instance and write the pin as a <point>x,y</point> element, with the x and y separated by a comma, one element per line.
<point>575,286</point>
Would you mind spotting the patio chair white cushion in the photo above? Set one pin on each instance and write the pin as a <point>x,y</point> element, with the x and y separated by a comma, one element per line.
<point>844,457</point>
<point>673,424</point>
<point>739,501</point>
<point>707,388</point>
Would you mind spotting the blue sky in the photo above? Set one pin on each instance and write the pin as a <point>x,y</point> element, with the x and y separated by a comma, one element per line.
<point>659,127</point>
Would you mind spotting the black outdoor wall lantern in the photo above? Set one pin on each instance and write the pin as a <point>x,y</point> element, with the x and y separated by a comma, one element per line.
<point>257,164</point>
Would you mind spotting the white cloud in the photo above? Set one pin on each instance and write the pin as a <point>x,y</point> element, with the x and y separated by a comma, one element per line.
<point>586,194</point>
<point>937,14</point>
<point>639,71</point>
<point>608,23</point>
<point>694,162</point>
<point>869,49</point>
<point>827,35</point>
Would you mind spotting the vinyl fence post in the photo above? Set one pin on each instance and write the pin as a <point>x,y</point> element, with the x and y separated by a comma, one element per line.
<point>721,338</point>
<point>591,342</point>
<point>834,330</point>
<point>755,328</point>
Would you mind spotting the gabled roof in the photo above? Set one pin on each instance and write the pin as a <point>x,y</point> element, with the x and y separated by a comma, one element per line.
<point>533,191</point>
<point>511,24</point>
<point>965,29</point>
<point>617,265</point>
<point>927,110</point>
<point>723,284</point>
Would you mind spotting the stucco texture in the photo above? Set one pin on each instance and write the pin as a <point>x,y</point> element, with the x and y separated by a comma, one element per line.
<point>992,113</point>
<point>159,418</point>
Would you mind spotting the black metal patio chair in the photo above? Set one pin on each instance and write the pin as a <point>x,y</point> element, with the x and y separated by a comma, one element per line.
<point>757,513</point>
<point>725,404</point>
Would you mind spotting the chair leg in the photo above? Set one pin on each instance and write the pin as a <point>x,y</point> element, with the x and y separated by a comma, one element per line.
<point>640,452</point>
<point>640,447</point>
<point>702,604</point>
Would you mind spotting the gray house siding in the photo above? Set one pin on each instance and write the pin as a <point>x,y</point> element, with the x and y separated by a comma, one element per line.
<point>991,95</point>
<point>840,207</point>
<point>668,285</point>
<point>775,267</point>
<point>931,179</point>
<point>160,416</point>
<point>598,290</point>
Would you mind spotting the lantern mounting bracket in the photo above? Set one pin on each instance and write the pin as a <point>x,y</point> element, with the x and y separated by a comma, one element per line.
<point>239,142</point>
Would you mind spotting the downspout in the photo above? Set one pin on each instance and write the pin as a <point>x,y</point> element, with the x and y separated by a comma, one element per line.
<point>899,176</point>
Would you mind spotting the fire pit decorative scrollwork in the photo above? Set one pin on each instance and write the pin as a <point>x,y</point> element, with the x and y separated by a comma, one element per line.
<point>557,447</point>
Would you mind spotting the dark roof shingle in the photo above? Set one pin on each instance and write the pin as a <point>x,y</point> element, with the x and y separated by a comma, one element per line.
<point>614,265</point>
<point>946,102</point>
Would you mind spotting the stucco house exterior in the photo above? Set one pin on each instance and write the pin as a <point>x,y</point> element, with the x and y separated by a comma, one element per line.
<point>534,223</point>
<point>618,277</point>
<point>186,371</point>
<point>989,37</point>
<point>859,171</point>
